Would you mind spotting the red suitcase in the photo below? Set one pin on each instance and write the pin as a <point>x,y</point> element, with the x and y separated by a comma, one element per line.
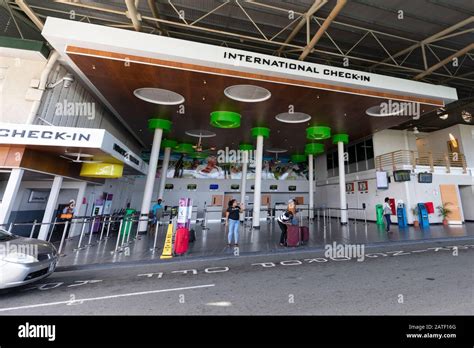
<point>304,230</point>
<point>293,238</point>
<point>181,241</point>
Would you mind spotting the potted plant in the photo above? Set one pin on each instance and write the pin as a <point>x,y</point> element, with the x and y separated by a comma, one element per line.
<point>414,211</point>
<point>444,212</point>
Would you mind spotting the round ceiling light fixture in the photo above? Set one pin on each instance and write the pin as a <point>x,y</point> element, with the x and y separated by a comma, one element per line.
<point>225,119</point>
<point>318,133</point>
<point>184,148</point>
<point>200,133</point>
<point>388,110</point>
<point>276,150</point>
<point>466,116</point>
<point>247,93</point>
<point>158,96</point>
<point>293,117</point>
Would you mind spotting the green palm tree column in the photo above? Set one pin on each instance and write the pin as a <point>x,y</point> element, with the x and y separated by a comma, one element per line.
<point>245,151</point>
<point>260,133</point>
<point>168,145</point>
<point>340,140</point>
<point>158,126</point>
<point>312,149</point>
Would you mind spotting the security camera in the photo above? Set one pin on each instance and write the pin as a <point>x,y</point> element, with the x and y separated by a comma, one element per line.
<point>68,79</point>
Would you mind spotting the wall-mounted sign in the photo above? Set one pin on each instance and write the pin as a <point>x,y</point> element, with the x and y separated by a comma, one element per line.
<point>350,187</point>
<point>169,186</point>
<point>363,186</point>
<point>38,196</point>
<point>234,187</point>
<point>382,180</point>
<point>192,187</point>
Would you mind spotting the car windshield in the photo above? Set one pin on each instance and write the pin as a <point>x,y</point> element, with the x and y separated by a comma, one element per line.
<point>4,235</point>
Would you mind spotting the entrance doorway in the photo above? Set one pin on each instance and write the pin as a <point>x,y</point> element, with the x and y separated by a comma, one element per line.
<point>449,197</point>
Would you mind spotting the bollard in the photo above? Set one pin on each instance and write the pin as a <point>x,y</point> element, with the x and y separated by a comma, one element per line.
<point>33,229</point>
<point>118,236</point>
<point>82,234</point>
<point>102,229</point>
<point>62,239</point>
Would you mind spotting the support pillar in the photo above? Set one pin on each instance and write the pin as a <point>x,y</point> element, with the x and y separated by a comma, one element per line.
<point>10,193</point>
<point>244,148</point>
<point>260,133</point>
<point>340,140</point>
<point>50,207</point>
<point>312,149</point>
<point>167,144</point>
<point>158,126</point>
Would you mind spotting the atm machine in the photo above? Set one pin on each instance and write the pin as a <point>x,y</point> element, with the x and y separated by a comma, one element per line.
<point>402,215</point>
<point>423,216</point>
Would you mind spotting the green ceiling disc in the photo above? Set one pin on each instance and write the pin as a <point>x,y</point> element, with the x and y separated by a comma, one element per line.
<point>159,123</point>
<point>246,147</point>
<point>168,143</point>
<point>318,133</point>
<point>298,158</point>
<point>340,137</point>
<point>199,155</point>
<point>225,119</point>
<point>313,148</point>
<point>263,131</point>
<point>184,148</point>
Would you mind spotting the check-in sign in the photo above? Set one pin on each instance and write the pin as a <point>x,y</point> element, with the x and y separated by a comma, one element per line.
<point>50,136</point>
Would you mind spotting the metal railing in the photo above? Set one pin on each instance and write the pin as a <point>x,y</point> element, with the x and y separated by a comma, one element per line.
<point>398,159</point>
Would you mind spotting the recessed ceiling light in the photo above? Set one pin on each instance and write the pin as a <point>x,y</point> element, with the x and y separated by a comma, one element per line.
<point>159,96</point>
<point>293,117</point>
<point>200,133</point>
<point>247,93</point>
<point>444,116</point>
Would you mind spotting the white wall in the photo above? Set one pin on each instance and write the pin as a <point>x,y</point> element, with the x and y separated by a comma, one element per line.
<point>390,140</point>
<point>467,201</point>
<point>17,75</point>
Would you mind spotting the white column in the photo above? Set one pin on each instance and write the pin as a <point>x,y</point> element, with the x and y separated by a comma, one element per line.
<point>50,207</point>
<point>342,182</point>
<point>150,178</point>
<point>164,170</point>
<point>257,193</point>
<point>75,228</point>
<point>311,184</point>
<point>243,182</point>
<point>9,195</point>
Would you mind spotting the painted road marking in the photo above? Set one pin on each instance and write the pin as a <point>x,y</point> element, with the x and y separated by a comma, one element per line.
<point>106,297</point>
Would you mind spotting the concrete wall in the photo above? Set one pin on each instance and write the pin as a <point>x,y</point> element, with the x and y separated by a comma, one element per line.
<point>390,140</point>
<point>15,77</point>
<point>467,200</point>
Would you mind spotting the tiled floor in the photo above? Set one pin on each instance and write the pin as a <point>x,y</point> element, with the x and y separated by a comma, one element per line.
<point>212,242</point>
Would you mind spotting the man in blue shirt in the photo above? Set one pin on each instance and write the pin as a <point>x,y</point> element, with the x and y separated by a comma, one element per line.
<point>157,210</point>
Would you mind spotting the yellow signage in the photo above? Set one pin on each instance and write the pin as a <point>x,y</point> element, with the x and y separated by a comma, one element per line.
<point>102,170</point>
<point>168,247</point>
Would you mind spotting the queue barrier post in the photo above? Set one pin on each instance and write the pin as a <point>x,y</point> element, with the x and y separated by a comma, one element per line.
<point>108,227</point>
<point>102,229</point>
<point>33,229</point>
<point>66,224</point>
<point>118,237</point>
<point>83,230</point>
<point>51,230</point>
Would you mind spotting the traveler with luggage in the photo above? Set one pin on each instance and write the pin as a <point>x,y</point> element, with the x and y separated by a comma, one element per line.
<point>285,220</point>
<point>232,220</point>
<point>156,213</point>
<point>387,212</point>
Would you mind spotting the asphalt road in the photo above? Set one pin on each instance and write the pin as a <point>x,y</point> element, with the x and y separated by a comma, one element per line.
<point>418,279</point>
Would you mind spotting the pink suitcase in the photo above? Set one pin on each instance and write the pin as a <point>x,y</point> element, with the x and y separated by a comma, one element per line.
<point>304,230</point>
<point>293,236</point>
<point>181,242</point>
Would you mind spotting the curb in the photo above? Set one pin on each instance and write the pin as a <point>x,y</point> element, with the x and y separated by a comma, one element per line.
<point>178,260</point>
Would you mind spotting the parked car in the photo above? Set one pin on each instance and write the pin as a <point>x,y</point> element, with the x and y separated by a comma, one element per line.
<point>24,260</point>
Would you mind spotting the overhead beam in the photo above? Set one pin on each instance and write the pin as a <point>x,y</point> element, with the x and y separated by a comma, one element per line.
<point>133,14</point>
<point>29,12</point>
<point>335,11</point>
<point>445,61</point>
<point>303,21</point>
<point>429,39</point>
<point>156,14</point>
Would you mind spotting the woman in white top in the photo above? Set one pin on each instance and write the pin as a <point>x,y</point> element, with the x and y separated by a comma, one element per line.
<point>387,211</point>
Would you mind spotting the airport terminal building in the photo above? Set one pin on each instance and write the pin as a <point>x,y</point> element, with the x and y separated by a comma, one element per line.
<point>115,117</point>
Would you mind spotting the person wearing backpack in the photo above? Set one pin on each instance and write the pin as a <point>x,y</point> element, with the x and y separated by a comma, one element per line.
<point>387,212</point>
<point>232,220</point>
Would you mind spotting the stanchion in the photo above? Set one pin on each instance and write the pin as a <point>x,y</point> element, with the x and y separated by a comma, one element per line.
<point>33,229</point>
<point>91,230</point>
<point>82,234</point>
<point>108,227</point>
<point>204,221</point>
<point>50,231</point>
<point>158,223</point>
<point>10,227</point>
<point>102,229</point>
<point>66,224</point>
<point>118,237</point>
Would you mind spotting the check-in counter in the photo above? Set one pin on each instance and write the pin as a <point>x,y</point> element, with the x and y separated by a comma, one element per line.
<point>263,212</point>
<point>214,213</point>
<point>194,214</point>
